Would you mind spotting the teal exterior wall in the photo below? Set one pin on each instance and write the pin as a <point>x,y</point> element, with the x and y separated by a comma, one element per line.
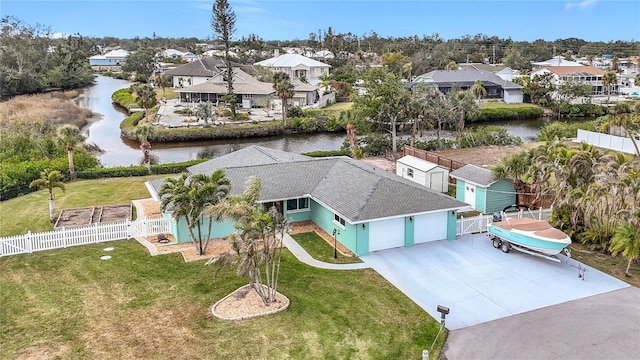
<point>452,219</point>
<point>408,232</point>
<point>500,195</point>
<point>348,236</point>
<point>180,229</point>
<point>362,240</point>
<point>460,189</point>
<point>481,199</point>
<point>298,215</point>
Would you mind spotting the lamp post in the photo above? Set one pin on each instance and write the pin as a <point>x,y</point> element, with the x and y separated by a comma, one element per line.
<point>336,232</point>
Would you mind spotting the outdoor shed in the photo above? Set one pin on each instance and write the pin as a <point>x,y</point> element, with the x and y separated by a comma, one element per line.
<point>478,187</point>
<point>423,172</point>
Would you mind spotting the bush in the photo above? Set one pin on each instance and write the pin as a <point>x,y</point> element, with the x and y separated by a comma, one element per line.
<point>563,130</point>
<point>432,145</point>
<point>130,122</point>
<point>579,110</point>
<point>327,153</point>
<point>271,128</point>
<point>488,135</point>
<point>185,111</point>
<point>124,98</point>
<point>295,111</point>
<point>306,124</point>
<point>137,170</point>
<point>506,112</point>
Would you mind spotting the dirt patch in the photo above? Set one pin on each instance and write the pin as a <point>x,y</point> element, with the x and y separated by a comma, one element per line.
<point>245,303</point>
<point>93,215</point>
<point>485,156</point>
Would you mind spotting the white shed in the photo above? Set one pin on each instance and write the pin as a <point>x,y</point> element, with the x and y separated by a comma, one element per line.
<point>423,172</point>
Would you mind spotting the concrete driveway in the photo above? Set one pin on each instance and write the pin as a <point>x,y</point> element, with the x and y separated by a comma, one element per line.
<point>479,283</point>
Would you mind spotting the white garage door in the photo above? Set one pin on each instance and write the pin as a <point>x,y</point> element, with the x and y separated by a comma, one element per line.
<point>386,234</point>
<point>429,227</point>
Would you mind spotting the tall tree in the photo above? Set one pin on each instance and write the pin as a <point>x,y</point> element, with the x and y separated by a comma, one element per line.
<point>284,90</point>
<point>223,24</point>
<point>49,180</point>
<point>163,81</point>
<point>478,90</point>
<point>257,247</point>
<point>70,136</point>
<point>142,63</point>
<point>386,101</point>
<point>146,97</point>
<point>514,167</point>
<point>609,79</point>
<point>143,133</point>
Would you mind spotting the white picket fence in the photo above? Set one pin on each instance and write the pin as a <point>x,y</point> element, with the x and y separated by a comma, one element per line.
<point>478,224</point>
<point>66,237</point>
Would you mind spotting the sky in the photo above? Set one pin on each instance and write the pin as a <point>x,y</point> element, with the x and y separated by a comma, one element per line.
<point>520,20</point>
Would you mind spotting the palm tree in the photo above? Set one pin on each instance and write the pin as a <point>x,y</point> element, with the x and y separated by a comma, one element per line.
<point>70,136</point>
<point>466,107</point>
<point>163,81</point>
<point>146,98</point>
<point>284,90</point>
<point>204,112</point>
<point>257,241</point>
<point>143,133</point>
<point>514,167</point>
<point>608,80</point>
<point>49,180</point>
<point>478,90</point>
<point>626,240</point>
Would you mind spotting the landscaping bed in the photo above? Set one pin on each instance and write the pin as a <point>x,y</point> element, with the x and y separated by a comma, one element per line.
<point>93,215</point>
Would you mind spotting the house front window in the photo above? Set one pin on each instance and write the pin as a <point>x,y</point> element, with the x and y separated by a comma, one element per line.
<point>301,204</point>
<point>338,220</point>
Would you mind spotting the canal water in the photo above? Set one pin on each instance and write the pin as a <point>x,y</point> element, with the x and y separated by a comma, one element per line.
<point>118,151</point>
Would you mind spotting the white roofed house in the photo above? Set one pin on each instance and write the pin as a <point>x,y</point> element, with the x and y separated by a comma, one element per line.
<point>111,61</point>
<point>579,74</point>
<point>297,67</point>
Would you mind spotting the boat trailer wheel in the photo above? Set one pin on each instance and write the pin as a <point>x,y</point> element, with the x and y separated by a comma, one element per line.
<point>505,247</point>
<point>496,242</point>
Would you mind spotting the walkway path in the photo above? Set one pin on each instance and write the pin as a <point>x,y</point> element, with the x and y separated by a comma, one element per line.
<point>301,254</point>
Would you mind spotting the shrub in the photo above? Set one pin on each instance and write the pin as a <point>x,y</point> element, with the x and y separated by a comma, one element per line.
<point>124,98</point>
<point>306,124</point>
<point>505,112</point>
<point>563,130</point>
<point>137,170</point>
<point>327,153</point>
<point>185,111</point>
<point>295,111</point>
<point>488,135</point>
<point>130,122</point>
<point>219,132</point>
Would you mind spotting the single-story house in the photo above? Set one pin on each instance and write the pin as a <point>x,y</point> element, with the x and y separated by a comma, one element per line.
<point>423,172</point>
<point>111,61</point>
<point>504,72</point>
<point>173,53</point>
<point>478,187</point>
<point>371,208</point>
<point>497,88</point>
<point>247,89</point>
<point>297,67</point>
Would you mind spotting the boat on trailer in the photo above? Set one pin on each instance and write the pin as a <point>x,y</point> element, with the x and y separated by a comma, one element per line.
<point>535,237</point>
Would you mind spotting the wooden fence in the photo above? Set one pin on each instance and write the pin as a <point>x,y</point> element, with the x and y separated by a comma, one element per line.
<point>74,236</point>
<point>478,224</point>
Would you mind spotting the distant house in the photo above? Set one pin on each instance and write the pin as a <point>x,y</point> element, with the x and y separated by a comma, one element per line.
<point>423,172</point>
<point>579,74</point>
<point>297,67</point>
<point>196,72</point>
<point>111,61</point>
<point>504,72</point>
<point>247,89</point>
<point>478,187</point>
<point>496,87</point>
<point>369,208</point>
<point>555,61</point>
<point>173,53</point>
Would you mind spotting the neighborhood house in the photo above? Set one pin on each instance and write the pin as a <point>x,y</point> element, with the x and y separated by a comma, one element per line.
<point>370,208</point>
<point>478,187</point>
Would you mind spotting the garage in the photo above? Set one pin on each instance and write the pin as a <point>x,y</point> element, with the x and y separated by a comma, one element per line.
<point>386,234</point>
<point>428,227</point>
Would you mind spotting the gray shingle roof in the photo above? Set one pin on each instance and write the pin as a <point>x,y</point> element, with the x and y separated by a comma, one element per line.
<point>354,189</point>
<point>466,77</point>
<point>475,174</point>
<point>206,66</point>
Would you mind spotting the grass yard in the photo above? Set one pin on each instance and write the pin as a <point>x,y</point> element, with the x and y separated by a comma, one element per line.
<point>31,211</point>
<point>69,304</point>
<point>320,250</point>
<point>337,107</point>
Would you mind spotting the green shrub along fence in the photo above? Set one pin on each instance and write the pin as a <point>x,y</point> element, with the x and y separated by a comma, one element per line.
<point>495,112</point>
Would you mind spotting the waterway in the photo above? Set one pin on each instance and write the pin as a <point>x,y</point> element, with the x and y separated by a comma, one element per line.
<point>118,151</point>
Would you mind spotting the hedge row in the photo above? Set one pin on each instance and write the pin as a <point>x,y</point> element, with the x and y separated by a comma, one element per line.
<point>137,170</point>
<point>327,153</point>
<point>219,132</point>
<point>508,112</point>
<point>124,98</point>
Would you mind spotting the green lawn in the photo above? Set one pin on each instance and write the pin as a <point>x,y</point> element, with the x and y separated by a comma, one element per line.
<point>320,250</point>
<point>69,304</point>
<point>31,211</point>
<point>337,107</point>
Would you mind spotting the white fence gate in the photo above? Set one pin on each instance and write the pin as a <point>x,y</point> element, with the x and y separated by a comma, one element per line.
<point>66,237</point>
<point>478,224</point>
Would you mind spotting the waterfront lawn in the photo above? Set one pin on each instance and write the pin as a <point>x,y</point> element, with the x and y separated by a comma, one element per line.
<point>68,303</point>
<point>338,106</point>
<point>31,211</point>
<point>318,248</point>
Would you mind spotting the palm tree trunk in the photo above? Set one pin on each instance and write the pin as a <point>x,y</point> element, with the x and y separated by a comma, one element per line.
<point>72,168</point>
<point>394,138</point>
<point>52,209</point>
<point>284,112</point>
<point>626,272</point>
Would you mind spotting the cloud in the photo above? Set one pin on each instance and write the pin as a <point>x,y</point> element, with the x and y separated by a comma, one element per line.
<point>580,5</point>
